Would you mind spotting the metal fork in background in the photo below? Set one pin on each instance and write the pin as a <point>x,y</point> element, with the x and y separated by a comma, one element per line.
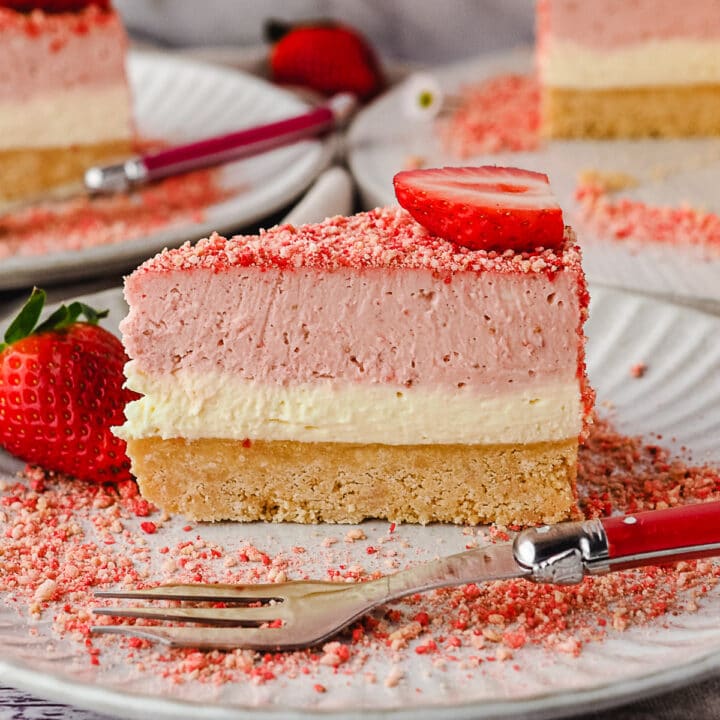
<point>288,616</point>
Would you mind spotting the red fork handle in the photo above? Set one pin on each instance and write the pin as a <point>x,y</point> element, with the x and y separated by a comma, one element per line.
<point>237,145</point>
<point>662,536</point>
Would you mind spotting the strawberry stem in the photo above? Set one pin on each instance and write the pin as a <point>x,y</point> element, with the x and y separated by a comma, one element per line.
<point>25,323</point>
<point>275,30</point>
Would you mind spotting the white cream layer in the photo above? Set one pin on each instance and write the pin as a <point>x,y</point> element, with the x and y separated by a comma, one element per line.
<point>219,406</point>
<point>83,116</point>
<point>657,63</point>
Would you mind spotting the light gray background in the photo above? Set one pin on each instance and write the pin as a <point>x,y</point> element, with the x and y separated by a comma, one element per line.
<point>428,31</point>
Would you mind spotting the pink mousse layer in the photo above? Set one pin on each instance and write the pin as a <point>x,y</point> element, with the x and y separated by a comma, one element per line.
<point>494,331</point>
<point>610,24</point>
<point>428,315</point>
<point>43,53</point>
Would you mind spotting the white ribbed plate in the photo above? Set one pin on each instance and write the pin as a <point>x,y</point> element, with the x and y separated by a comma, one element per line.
<point>679,397</point>
<point>180,100</point>
<point>672,172</point>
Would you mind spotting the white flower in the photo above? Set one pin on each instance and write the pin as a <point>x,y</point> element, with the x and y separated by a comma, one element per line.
<point>422,97</point>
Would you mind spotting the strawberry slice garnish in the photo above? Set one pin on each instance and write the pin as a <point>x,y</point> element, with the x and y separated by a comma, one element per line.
<point>483,208</point>
<point>61,390</point>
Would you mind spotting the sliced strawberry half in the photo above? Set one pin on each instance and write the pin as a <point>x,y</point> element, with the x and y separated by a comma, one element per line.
<point>483,208</point>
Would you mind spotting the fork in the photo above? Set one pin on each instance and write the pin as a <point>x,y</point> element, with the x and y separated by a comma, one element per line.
<point>299,614</point>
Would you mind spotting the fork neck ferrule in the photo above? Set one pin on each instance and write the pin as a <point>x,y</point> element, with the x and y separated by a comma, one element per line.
<point>563,554</point>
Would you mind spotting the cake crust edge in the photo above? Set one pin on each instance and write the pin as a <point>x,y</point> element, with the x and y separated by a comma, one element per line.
<point>287,481</point>
<point>671,111</point>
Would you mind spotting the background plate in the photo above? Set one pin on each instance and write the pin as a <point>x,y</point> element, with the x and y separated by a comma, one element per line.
<point>179,100</point>
<point>671,172</point>
<point>678,397</point>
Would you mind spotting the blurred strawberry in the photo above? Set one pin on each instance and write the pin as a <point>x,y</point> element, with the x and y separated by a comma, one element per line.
<point>61,390</point>
<point>326,57</point>
<point>53,6</point>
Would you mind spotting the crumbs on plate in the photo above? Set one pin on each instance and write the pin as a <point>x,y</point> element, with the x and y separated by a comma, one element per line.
<point>89,222</point>
<point>60,540</point>
<point>497,115</point>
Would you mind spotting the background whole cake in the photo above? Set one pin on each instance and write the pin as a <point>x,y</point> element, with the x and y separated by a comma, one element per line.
<point>647,68</point>
<point>64,97</point>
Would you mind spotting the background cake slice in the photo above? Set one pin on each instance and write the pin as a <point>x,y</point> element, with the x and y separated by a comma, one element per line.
<point>612,68</point>
<point>64,97</point>
<point>360,367</point>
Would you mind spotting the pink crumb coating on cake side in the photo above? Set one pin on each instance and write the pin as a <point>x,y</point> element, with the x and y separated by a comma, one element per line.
<point>384,238</point>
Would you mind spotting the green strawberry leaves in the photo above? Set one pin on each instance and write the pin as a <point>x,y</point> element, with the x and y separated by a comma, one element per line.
<point>25,323</point>
<point>26,319</point>
<point>66,315</point>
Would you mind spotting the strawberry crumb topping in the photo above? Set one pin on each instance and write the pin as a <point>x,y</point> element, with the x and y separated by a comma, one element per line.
<point>19,16</point>
<point>55,553</point>
<point>384,238</point>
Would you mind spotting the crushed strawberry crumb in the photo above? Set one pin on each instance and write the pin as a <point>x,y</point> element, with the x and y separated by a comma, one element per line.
<point>55,552</point>
<point>84,222</point>
<point>497,115</point>
<point>638,370</point>
<point>624,219</point>
<point>382,238</point>
<point>502,114</point>
<point>57,26</point>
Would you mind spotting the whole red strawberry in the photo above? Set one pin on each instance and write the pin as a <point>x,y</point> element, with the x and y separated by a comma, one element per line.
<point>61,392</point>
<point>328,58</point>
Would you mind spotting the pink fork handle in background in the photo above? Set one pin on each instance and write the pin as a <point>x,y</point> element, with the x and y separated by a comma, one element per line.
<point>686,532</point>
<point>236,145</point>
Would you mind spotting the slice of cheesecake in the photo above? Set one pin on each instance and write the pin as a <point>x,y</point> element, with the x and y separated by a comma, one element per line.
<point>613,68</point>
<point>64,98</point>
<point>357,368</point>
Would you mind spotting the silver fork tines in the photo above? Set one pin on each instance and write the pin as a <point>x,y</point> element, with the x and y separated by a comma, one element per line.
<point>242,616</point>
<point>302,608</point>
<point>242,594</point>
<point>210,638</point>
<point>297,614</point>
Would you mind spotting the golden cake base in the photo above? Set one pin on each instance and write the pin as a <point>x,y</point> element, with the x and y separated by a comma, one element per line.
<point>633,112</point>
<point>26,171</point>
<point>211,479</point>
